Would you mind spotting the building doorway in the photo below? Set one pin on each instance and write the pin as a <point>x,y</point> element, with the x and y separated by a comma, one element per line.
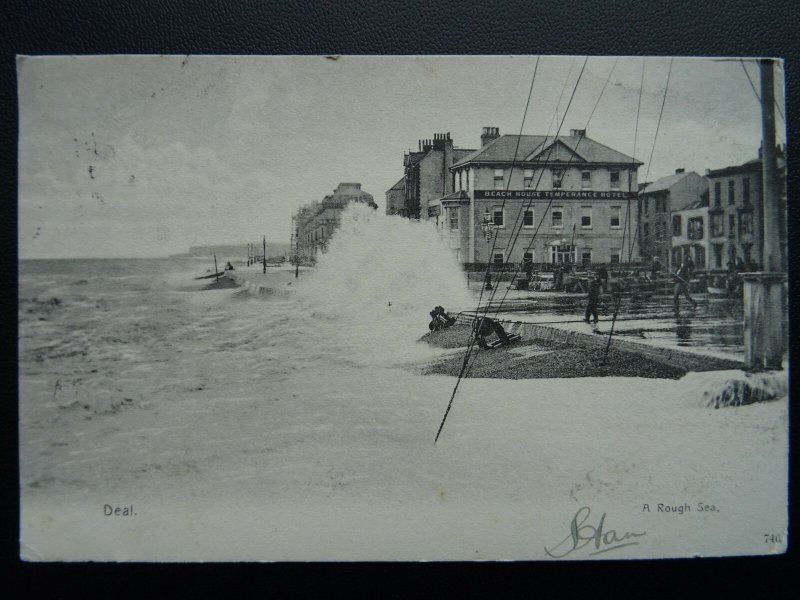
<point>563,254</point>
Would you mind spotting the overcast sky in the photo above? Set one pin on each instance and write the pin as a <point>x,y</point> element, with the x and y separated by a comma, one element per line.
<point>147,155</point>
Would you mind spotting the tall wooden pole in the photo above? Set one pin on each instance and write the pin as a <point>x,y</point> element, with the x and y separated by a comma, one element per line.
<point>264,262</point>
<point>216,272</point>
<point>764,333</point>
<point>771,256</point>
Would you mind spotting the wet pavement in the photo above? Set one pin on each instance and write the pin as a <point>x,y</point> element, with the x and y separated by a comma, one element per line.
<point>715,327</point>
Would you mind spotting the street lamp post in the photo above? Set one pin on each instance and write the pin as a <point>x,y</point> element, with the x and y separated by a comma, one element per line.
<point>488,233</point>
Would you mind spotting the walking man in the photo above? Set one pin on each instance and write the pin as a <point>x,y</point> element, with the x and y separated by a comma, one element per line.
<point>682,278</point>
<point>593,298</point>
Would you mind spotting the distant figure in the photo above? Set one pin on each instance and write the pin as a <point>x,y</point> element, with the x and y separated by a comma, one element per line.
<point>595,286</point>
<point>682,278</point>
<point>439,319</point>
<point>485,326</point>
<point>654,268</point>
<point>229,266</point>
<point>558,278</point>
<point>602,275</point>
<point>527,267</point>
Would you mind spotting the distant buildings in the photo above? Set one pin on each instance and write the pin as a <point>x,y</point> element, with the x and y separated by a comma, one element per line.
<point>427,174</point>
<point>236,251</point>
<point>737,211</point>
<point>575,200</point>
<point>690,235</point>
<point>723,226</point>
<point>314,224</point>
<point>552,200</point>
<point>396,199</point>
<point>660,203</point>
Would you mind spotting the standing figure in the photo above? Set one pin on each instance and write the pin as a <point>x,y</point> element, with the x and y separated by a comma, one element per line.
<point>558,278</point>
<point>527,266</point>
<point>654,268</point>
<point>682,278</point>
<point>602,275</point>
<point>593,298</point>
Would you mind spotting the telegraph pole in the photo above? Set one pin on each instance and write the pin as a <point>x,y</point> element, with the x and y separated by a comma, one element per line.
<point>763,291</point>
<point>264,261</point>
<point>296,254</point>
<point>771,258</point>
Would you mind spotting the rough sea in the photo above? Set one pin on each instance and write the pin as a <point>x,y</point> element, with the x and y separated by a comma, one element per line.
<point>294,425</point>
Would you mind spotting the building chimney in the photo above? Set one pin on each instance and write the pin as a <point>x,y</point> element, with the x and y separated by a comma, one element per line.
<point>577,133</point>
<point>489,134</point>
<point>680,171</point>
<point>447,161</point>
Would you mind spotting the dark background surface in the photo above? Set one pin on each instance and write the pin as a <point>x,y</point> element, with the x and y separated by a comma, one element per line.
<point>613,27</point>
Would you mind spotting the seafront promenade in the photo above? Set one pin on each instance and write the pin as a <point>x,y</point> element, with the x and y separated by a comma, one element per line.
<point>706,338</point>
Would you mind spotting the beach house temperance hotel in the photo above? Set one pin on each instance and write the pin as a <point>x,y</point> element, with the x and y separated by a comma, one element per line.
<point>589,187</point>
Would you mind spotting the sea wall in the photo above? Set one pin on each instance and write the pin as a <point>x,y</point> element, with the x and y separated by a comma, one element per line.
<point>690,361</point>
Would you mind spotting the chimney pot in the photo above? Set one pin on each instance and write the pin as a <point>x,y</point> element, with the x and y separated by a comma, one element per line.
<point>489,134</point>
<point>680,171</point>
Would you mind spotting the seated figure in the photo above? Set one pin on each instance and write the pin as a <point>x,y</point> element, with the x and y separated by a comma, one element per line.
<point>484,326</point>
<point>440,319</point>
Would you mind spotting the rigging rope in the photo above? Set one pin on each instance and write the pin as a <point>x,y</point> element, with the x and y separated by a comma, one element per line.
<point>530,202</point>
<point>473,334</point>
<point>541,172</point>
<point>647,175</point>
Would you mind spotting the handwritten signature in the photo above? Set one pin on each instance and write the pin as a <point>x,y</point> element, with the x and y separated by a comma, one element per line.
<point>582,534</point>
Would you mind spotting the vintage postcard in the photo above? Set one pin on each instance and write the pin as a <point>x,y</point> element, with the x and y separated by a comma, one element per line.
<point>417,308</point>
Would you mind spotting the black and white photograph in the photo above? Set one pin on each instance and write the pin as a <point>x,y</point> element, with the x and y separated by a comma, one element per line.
<point>401,308</point>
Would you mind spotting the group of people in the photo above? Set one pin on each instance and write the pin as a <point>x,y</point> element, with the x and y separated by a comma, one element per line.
<point>597,284</point>
<point>682,277</point>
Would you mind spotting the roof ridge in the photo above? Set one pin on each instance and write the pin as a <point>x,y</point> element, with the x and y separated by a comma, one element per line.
<point>556,139</point>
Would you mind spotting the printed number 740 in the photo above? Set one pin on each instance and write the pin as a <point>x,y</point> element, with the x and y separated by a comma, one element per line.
<point>773,538</point>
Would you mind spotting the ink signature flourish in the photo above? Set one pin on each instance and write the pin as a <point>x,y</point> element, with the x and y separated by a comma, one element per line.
<point>582,534</point>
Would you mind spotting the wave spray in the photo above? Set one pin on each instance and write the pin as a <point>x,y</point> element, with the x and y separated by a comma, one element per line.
<point>380,277</point>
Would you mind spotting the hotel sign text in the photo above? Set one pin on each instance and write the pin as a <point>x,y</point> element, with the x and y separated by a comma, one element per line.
<point>555,194</point>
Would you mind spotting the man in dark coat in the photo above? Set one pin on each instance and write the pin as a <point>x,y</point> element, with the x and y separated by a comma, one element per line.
<point>593,298</point>
<point>682,278</point>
